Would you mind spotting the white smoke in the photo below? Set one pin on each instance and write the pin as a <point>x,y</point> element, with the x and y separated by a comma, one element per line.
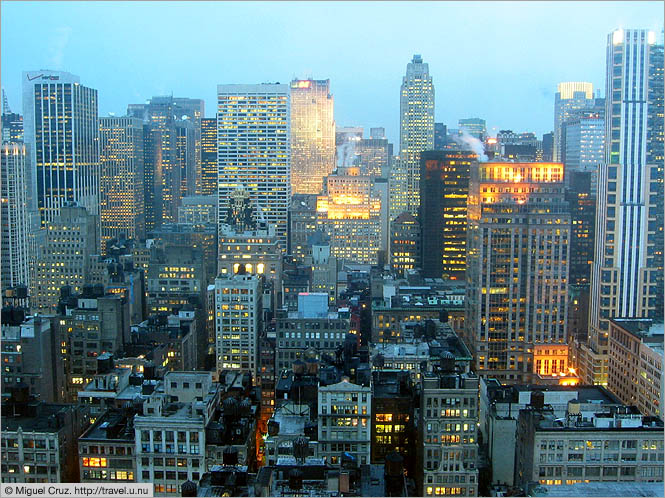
<point>464,138</point>
<point>346,154</point>
<point>58,46</point>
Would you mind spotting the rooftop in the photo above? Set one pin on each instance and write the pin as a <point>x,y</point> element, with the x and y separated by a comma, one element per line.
<point>41,417</point>
<point>112,425</point>
<point>601,489</point>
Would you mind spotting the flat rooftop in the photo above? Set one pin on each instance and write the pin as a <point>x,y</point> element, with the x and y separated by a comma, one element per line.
<point>44,420</point>
<point>601,489</point>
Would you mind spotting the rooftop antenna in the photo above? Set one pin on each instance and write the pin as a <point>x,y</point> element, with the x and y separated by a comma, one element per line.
<point>5,103</point>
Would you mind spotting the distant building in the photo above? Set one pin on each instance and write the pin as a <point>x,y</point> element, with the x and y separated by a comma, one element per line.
<point>198,209</point>
<point>312,135</point>
<point>244,113</point>
<point>416,126</point>
<point>440,136</point>
<point>351,210</point>
<point>122,203</point>
<point>444,188</point>
<point>582,202</point>
<point>373,156</point>
<point>64,159</point>
<point>15,221</point>
<point>583,148</point>
<point>475,127</point>
<point>570,97</point>
<point>209,156</point>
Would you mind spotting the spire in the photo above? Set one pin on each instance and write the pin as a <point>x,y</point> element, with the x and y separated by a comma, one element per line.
<point>5,103</point>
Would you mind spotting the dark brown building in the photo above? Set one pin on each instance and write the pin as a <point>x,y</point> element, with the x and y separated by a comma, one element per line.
<point>444,187</point>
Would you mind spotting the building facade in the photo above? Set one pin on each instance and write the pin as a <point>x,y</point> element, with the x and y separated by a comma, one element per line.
<point>416,126</point>
<point>122,207</point>
<point>238,303</point>
<point>628,266</point>
<point>14,216</point>
<point>254,149</point>
<point>312,135</point>
<point>444,187</point>
<point>571,96</point>
<point>345,421</point>
<point>517,265</point>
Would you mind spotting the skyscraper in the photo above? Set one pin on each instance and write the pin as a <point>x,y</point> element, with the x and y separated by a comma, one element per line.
<point>209,156</point>
<point>475,127</point>
<point>121,178</point>
<point>172,154</point>
<point>444,187</point>
<point>416,125</point>
<point>583,145</point>
<point>517,266</point>
<point>62,132</point>
<point>14,221</point>
<point>312,135</point>
<point>254,150</point>
<point>571,96</point>
<point>628,265</point>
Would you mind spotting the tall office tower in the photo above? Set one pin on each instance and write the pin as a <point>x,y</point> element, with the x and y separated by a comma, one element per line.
<point>373,156</point>
<point>583,149</point>
<point>209,156</point>
<point>517,266</point>
<point>254,150</point>
<point>312,135</point>
<point>628,266</point>
<point>14,222</point>
<point>349,211</point>
<point>238,302</point>
<point>475,127</point>
<point>582,205</point>
<point>548,146</point>
<point>62,132</point>
<point>65,257</point>
<point>122,207</point>
<point>172,153</point>
<point>570,97</point>
<point>440,136</point>
<point>346,138</point>
<point>405,244</point>
<point>416,130</point>
<point>444,187</point>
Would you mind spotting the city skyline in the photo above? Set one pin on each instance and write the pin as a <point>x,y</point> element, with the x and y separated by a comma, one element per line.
<point>364,81</point>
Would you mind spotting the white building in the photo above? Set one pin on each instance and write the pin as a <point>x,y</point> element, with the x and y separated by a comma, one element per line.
<point>238,308</point>
<point>170,434</point>
<point>416,131</point>
<point>627,274</point>
<point>570,97</point>
<point>254,149</point>
<point>14,213</point>
<point>344,421</point>
<point>585,145</point>
<point>62,131</point>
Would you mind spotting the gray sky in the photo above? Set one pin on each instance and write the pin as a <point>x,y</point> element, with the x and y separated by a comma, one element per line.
<point>497,60</point>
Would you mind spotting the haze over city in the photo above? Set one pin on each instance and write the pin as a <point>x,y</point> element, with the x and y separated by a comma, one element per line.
<point>498,60</point>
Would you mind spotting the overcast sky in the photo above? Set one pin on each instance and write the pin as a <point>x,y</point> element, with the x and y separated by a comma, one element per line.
<point>497,60</point>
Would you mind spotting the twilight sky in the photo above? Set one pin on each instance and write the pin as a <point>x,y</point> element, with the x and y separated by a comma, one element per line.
<point>497,60</point>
